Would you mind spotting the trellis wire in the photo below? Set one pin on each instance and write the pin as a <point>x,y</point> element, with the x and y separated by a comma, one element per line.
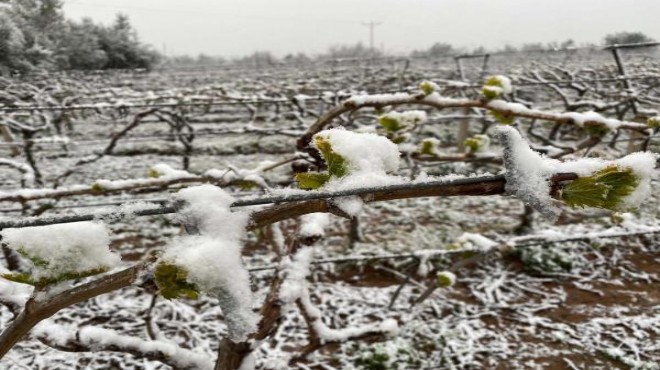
<point>276,199</point>
<point>443,252</point>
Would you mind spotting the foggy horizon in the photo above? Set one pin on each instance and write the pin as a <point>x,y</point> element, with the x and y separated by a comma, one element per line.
<point>231,29</point>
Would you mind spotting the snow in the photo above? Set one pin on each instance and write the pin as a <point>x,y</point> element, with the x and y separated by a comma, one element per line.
<point>14,293</point>
<point>237,174</point>
<point>249,362</point>
<point>295,288</point>
<point>166,172</point>
<point>351,205</point>
<point>528,172</point>
<point>314,224</point>
<point>580,118</point>
<point>213,258</point>
<point>388,327</point>
<point>383,99</point>
<point>295,270</point>
<point>27,172</point>
<point>407,119</point>
<point>99,339</point>
<point>364,152</point>
<point>476,241</point>
<point>369,159</point>
<point>67,248</point>
<point>642,165</point>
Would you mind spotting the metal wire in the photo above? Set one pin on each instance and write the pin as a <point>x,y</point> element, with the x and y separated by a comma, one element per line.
<point>277,199</point>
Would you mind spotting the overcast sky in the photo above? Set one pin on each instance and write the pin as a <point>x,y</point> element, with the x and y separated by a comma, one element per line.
<point>239,27</point>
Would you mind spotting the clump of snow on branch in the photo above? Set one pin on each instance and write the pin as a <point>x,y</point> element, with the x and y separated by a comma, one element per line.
<point>295,270</point>
<point>364,152</point>
<point>368,157</point>
<point>476,242</point>
<point>314,224</point>
<point>162,170</point>
<point>212,259</point>
<point>351,205</point>
<point>67,248</point>
<point>528,173</point>
<point>580,118</point>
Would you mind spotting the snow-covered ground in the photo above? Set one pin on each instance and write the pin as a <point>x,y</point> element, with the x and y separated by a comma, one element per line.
<point>548,304</point>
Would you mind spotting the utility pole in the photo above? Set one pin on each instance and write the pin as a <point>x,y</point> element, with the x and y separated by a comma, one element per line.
<point>371,26</point>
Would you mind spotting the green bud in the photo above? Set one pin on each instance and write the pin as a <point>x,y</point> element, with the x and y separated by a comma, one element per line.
<point>477,143</point>
<point>654,122</point>
<point>491,92</point>
<point>390,123</point>
<point>429,147</point>
<point>428,87</point>
<point>496,86</point>
<point>153,174</point>
<point>445,279</point>
<point>97,188</point>
<point>25,278</point>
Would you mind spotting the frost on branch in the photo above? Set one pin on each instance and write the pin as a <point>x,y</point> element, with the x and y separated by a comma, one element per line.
<point>617,185</point>
<point>61,252</point>
<point>210,261</point>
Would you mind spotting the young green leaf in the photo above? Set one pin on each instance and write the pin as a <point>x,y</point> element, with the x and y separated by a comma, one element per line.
<point>336,163</point>
<point>506,119</point>
<point>603,189</point>
<point>311,180</point>
<point>172,283</point>
<point>429,147</point>
<point>390,123</point>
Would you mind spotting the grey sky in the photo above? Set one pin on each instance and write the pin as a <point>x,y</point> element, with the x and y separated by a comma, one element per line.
<point>239,27</point>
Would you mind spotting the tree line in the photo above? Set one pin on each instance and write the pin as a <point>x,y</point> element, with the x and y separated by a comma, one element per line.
<point>35,35</point>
